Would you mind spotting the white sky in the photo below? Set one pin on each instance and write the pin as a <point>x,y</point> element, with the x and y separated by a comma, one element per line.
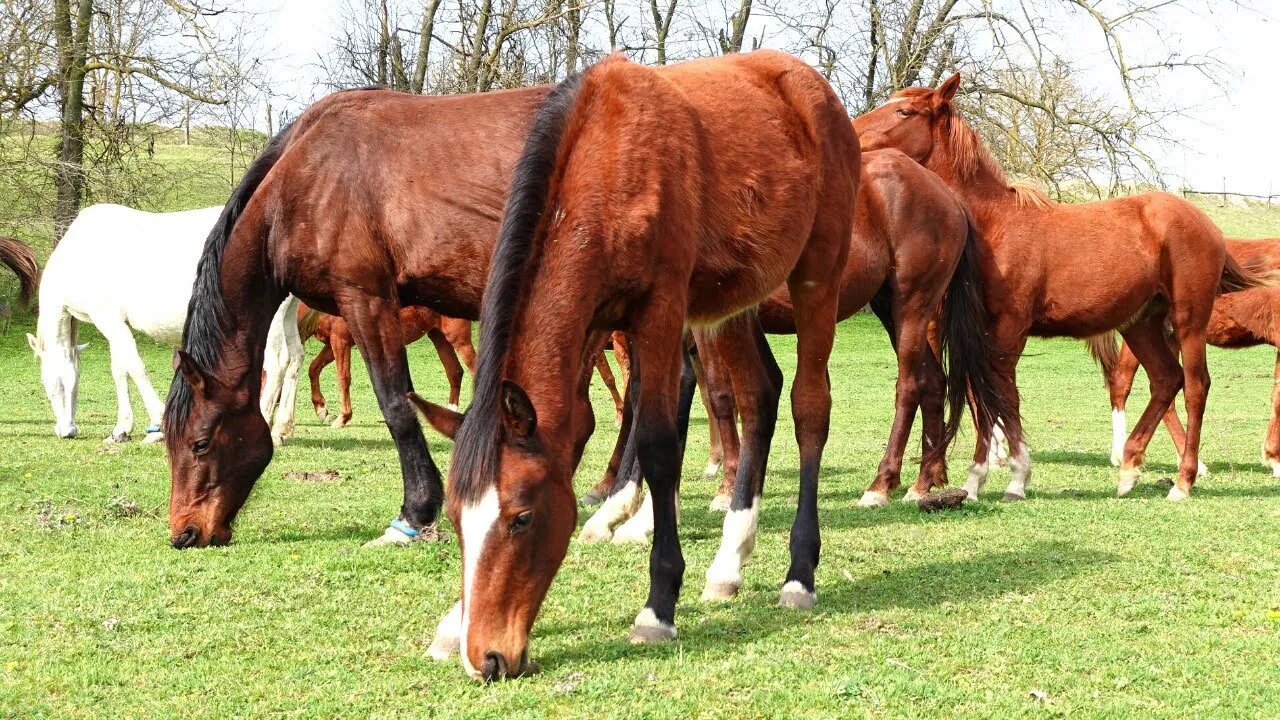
<point>1231,130</point>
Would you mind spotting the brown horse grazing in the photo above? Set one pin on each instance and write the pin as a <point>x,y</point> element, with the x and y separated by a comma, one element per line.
<point>913,252</point>
<point>1244,319</point>
<point>1075,270</point>
<point>450,336</point>
<point>22,261</point>
<point>645,198</point>
<point>372,200</point>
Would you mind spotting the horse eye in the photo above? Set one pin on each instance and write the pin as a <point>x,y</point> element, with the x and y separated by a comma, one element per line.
<point>904,113</point>
<point>520,523</point>
<point>200,446</point>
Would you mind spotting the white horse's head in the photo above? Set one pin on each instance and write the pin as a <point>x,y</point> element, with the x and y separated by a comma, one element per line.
<point>60,374</point>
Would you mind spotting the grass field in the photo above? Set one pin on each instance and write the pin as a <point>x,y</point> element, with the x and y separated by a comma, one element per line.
<point>1072,604</point>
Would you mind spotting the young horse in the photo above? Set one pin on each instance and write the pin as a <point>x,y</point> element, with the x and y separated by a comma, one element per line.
<point>913,252</point>
<point>1244,319</point>
<point>645,198</point>
<point>450,336</point>
<point>126,270</point>
<point>1043,273</point>
<point>372,200</point>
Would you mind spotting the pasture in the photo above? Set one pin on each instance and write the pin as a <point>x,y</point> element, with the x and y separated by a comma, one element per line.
<point>1074,603</point>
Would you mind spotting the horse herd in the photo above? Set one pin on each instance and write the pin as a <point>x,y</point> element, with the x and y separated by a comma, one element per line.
<point>678,213</point>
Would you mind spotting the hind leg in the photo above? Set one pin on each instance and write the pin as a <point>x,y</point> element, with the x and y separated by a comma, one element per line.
<point>606,377</point>
<point>458,332</point>
<point>1145,338</point>
<point>1120,384</point>
<point>290,358</point>
<point>341,342</point>
<point>1009,339</point>
<point>740,346</point>
<point>716,456</point>
<point>1271,448</point>
<point>449,360</point>
<point>1189,328</point>
<point>717,356</point>
<point>321,361</point>
<point>125,362</point>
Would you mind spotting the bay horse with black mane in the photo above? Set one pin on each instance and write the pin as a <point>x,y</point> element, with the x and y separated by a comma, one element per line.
<point>645,198</point>
<point>1051,269</point>
<point>371,201</point>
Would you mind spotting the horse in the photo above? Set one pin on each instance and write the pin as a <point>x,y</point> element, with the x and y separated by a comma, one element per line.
<point>450,336</point>
<point>1050,269</point>
<point>1244,319</point>
<point>913,252</point>
<point>372,200</point>
<point>645,198</point>
<point>127,270</point>
<point>21,259</point>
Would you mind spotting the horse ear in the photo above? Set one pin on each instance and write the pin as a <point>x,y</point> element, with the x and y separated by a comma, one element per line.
<point>37,345</point>
<point>444,420</point>
<point>191,370</point>
<point>947,90</point>
<point>518,416</point>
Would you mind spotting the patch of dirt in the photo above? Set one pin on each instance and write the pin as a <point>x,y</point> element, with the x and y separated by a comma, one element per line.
<point>315,476</point>
<point>945,500</point>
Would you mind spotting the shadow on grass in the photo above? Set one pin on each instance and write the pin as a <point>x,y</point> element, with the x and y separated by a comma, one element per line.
<point>754,616</point>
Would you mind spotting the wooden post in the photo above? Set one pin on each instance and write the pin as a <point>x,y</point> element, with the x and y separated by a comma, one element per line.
<point>1224,191</point>
<point>270,131</point>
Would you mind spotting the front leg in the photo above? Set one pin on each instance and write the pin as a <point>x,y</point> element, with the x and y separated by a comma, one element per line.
<point>375,326</point>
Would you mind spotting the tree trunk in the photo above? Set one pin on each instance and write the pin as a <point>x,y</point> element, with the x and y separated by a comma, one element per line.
<point>73,40</point>
<point>424,47</point>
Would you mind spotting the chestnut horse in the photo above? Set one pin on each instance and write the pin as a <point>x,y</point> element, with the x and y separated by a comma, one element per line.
<point>1076,270</point>
<point>1244,319</point>
<point>645,198</point>
<point>372,200</point>
<point>450,336</point>
<point>913,251</point>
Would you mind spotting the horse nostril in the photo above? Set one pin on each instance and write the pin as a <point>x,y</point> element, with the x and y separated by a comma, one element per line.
<point>495,666</point>
<point>187,538</point>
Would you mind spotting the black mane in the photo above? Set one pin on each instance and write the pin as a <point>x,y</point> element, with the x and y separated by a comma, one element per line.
<point>203,334</point>
<point>475,452</point>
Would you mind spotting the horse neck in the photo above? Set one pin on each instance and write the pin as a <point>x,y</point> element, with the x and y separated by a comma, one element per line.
<point>987,194</point>
<point>55,327</point>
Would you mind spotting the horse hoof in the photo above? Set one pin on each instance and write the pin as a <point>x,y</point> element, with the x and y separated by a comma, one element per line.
<point>796,597</point>
<point>322,412</point>
<point>1176,494</point>
<point>1274,464</point>
<point>395,536</point>
<point>1128,481</point>
<point>631,536</point>
<point>913,495</point>
<point>1116,460</point>
<point>648,629</point>
<point>720,504</point>
<point>1013,497</point>
<point>277,441</point>
<point>591,499</point>
<point>117,437</point>
<point>453,407</point>
<point>1202,470</point>
<point>712,469</point>
<point>340,423</point>
<point>720,591</point>
<point>154,437</point>
<point>595,533</point>
<point>873,498</point>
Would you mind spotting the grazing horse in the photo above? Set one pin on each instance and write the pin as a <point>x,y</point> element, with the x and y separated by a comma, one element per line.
<point>370,201</point>
<point>913,252</point>
<point>1050,269</point>
<point>645,198</point>
<point>127,270</point>
<point>1243,319</point>
<point>450,336</point>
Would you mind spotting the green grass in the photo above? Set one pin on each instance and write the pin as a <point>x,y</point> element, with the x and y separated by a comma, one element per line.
<point>1111,608</point>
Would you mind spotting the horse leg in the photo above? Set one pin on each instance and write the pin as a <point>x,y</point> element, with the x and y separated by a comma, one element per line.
<point>321,361</point>
<point>458,333</point>
<point>1189,324</point>
<point>375,326</point>
<point>622,355</point>
<point>449,360</point>
<point>1145,338</point>
<point>912,346</point>
<point>716,456</point>
<point>606,376</point>
<point>933,398</point>
<point>1009,339</point>
<point>341,343</point>
<point>740,345</point>
<point>1120,384</point>
<point>660,375</point>
<point>120,344</point>
<point>717,358</point>
<point>617,493</point>
<point>124,356</point>
<point>287,320</point>
<point>1271,448</point>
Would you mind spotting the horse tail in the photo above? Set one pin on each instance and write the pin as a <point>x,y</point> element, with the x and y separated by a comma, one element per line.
<point>202,334</point>
<point>965,349</point>
<point>475,447</point>
<point>1255,272</point>
<point>1104,350</point>
<point>21,259</point>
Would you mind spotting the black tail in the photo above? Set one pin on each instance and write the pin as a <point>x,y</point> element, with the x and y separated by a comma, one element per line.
<point>966,350</point>
<point>202,335</point>
<point>22,261</point>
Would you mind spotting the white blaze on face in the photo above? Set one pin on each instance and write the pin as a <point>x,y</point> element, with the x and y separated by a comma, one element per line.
<point>477,520</point>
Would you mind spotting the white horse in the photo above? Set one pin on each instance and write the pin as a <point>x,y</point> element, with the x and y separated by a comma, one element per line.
<point>125,270</point>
